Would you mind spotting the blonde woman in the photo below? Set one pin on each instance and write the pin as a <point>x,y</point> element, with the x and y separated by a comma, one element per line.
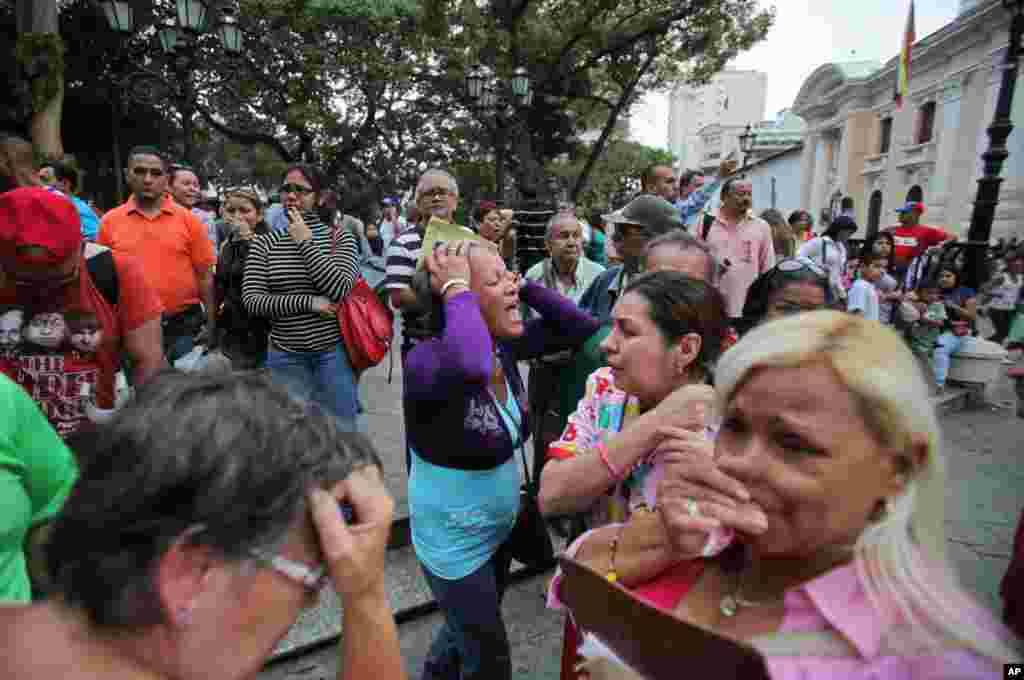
<point>829,441</point>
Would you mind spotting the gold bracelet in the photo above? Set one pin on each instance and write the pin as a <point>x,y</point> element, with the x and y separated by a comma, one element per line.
<point>613,576</point>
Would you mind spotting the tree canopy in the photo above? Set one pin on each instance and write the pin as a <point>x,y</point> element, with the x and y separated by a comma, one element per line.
<point>370,96</point>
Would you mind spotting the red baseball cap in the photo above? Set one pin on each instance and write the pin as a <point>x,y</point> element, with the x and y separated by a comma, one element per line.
<point>35,216</point>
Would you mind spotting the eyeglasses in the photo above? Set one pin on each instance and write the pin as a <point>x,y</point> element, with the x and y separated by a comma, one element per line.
<point>312,578</point>
<point>796,264</point>
<point>436,192</point>
<point>295,189</point>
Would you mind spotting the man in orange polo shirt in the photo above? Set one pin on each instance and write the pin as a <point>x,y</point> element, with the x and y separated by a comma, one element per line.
<point>173,247</point>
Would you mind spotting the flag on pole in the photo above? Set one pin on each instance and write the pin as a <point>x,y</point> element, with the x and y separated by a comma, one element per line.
<point>903,70</point>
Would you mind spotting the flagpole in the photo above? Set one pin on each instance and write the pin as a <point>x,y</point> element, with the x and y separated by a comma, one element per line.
<point>988,185</point>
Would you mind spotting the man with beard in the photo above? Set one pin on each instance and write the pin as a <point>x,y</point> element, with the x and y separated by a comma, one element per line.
<point>172,245</point>
<point>741,242</point>
<point>48,274</point>
<point>437,195</point>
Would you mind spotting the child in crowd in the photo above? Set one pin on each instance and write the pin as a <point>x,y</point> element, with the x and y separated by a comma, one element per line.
<point>924,332</point>
<point>863,297</point>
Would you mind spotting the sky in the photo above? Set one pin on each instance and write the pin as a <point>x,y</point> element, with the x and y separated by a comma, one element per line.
<point>806,35</point>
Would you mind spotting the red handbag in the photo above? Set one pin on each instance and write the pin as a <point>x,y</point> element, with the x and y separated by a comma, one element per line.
<point>366,323</point>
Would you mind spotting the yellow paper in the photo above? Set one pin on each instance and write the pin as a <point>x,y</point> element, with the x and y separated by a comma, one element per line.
<point>440,231</point>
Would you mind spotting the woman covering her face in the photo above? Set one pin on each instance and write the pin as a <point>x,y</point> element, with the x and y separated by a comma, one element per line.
<point>828,470</point>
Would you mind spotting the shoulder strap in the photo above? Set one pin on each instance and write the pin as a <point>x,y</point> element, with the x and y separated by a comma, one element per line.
<point>709,221</point>
<point>104,275</point>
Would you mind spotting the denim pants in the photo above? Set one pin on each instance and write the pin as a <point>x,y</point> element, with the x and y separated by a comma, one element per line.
<point>946,345</point>
<point>472,644</point>
<point>324,377</point>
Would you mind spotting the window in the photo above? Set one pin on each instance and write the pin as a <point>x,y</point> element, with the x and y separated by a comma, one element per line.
<point>925,123</point>
<point>885,135</point>
<point>874,213</point>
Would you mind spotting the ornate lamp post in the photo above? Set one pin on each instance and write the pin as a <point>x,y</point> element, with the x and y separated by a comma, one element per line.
<point>496,103</point>
<point>988,186</point>
<point>747,141</point>
<point>178,41</point>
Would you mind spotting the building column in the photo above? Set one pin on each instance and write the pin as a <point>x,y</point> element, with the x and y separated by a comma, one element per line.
<point>807,169</point>
<point>948,127</point>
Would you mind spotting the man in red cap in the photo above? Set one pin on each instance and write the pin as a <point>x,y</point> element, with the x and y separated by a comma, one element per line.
<point>82,308</point>
<point>913,238</point>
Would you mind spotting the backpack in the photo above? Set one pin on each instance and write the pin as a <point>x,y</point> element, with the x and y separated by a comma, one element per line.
<point>709,220</point>
<point>104,276</point>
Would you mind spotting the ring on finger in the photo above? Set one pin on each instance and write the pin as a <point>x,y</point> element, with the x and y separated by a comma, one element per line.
<point>692,509</point>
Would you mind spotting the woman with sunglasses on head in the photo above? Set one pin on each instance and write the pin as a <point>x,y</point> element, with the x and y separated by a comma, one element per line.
<point>297,278</point>
<point>792,286</point>
<point>206,518</point>
<point>241,336</point>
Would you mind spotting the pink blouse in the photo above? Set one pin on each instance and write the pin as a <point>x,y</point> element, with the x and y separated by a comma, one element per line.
<point>834,601</point>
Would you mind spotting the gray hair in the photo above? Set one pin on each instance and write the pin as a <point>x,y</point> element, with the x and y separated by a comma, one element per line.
<point>434,172</point>
<point>221,461</point>
<point>557,218</point>
<point>685,241</point>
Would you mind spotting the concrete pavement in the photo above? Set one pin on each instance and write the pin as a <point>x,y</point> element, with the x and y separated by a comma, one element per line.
<point>984,500</point>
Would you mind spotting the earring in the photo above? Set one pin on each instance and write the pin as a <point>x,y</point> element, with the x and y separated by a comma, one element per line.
<point>183,617</point>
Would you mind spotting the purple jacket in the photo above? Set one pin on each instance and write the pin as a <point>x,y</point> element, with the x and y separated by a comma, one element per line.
<point>451,418</point>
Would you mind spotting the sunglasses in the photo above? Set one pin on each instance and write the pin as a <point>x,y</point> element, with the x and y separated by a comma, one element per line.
<point>295,189</point>
<point>796,264</point>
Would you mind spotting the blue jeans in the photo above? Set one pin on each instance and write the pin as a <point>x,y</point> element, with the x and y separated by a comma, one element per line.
<point>324,377</point>
<point>946,345</point>
<point>472,644</point>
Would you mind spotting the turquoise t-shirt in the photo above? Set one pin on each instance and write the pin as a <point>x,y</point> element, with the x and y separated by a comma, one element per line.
<point>459,518</point>
<point>37,472</point>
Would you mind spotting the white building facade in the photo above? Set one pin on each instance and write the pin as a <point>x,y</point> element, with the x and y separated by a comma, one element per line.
<point>857,144</point>
<point>732,99</point>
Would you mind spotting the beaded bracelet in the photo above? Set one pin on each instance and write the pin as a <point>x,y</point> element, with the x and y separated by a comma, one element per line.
<point>602,451</point>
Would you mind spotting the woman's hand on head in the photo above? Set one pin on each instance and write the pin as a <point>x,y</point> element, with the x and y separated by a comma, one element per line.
<point>355,552</point>
<point>449,262</point>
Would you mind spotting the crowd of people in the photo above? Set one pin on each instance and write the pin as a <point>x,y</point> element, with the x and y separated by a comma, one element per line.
<point>731,418</point>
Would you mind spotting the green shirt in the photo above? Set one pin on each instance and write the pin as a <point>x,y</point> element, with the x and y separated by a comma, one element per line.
<point>37,472</point>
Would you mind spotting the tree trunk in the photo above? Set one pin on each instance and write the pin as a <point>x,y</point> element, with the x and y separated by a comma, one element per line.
<point>40,16</point>
<point>598,149</point>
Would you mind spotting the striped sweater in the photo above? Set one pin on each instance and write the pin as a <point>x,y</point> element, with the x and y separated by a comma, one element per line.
<point>282,278</point>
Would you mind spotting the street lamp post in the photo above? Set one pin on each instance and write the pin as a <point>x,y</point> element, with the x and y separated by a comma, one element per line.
<point>497,102</point>
<point>747,141</point>
<point>988,185</point>
<point>179,42</point>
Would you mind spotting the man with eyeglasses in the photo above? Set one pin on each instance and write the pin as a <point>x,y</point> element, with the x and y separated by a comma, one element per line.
<point>173,246</point>
<point>437,195</point>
